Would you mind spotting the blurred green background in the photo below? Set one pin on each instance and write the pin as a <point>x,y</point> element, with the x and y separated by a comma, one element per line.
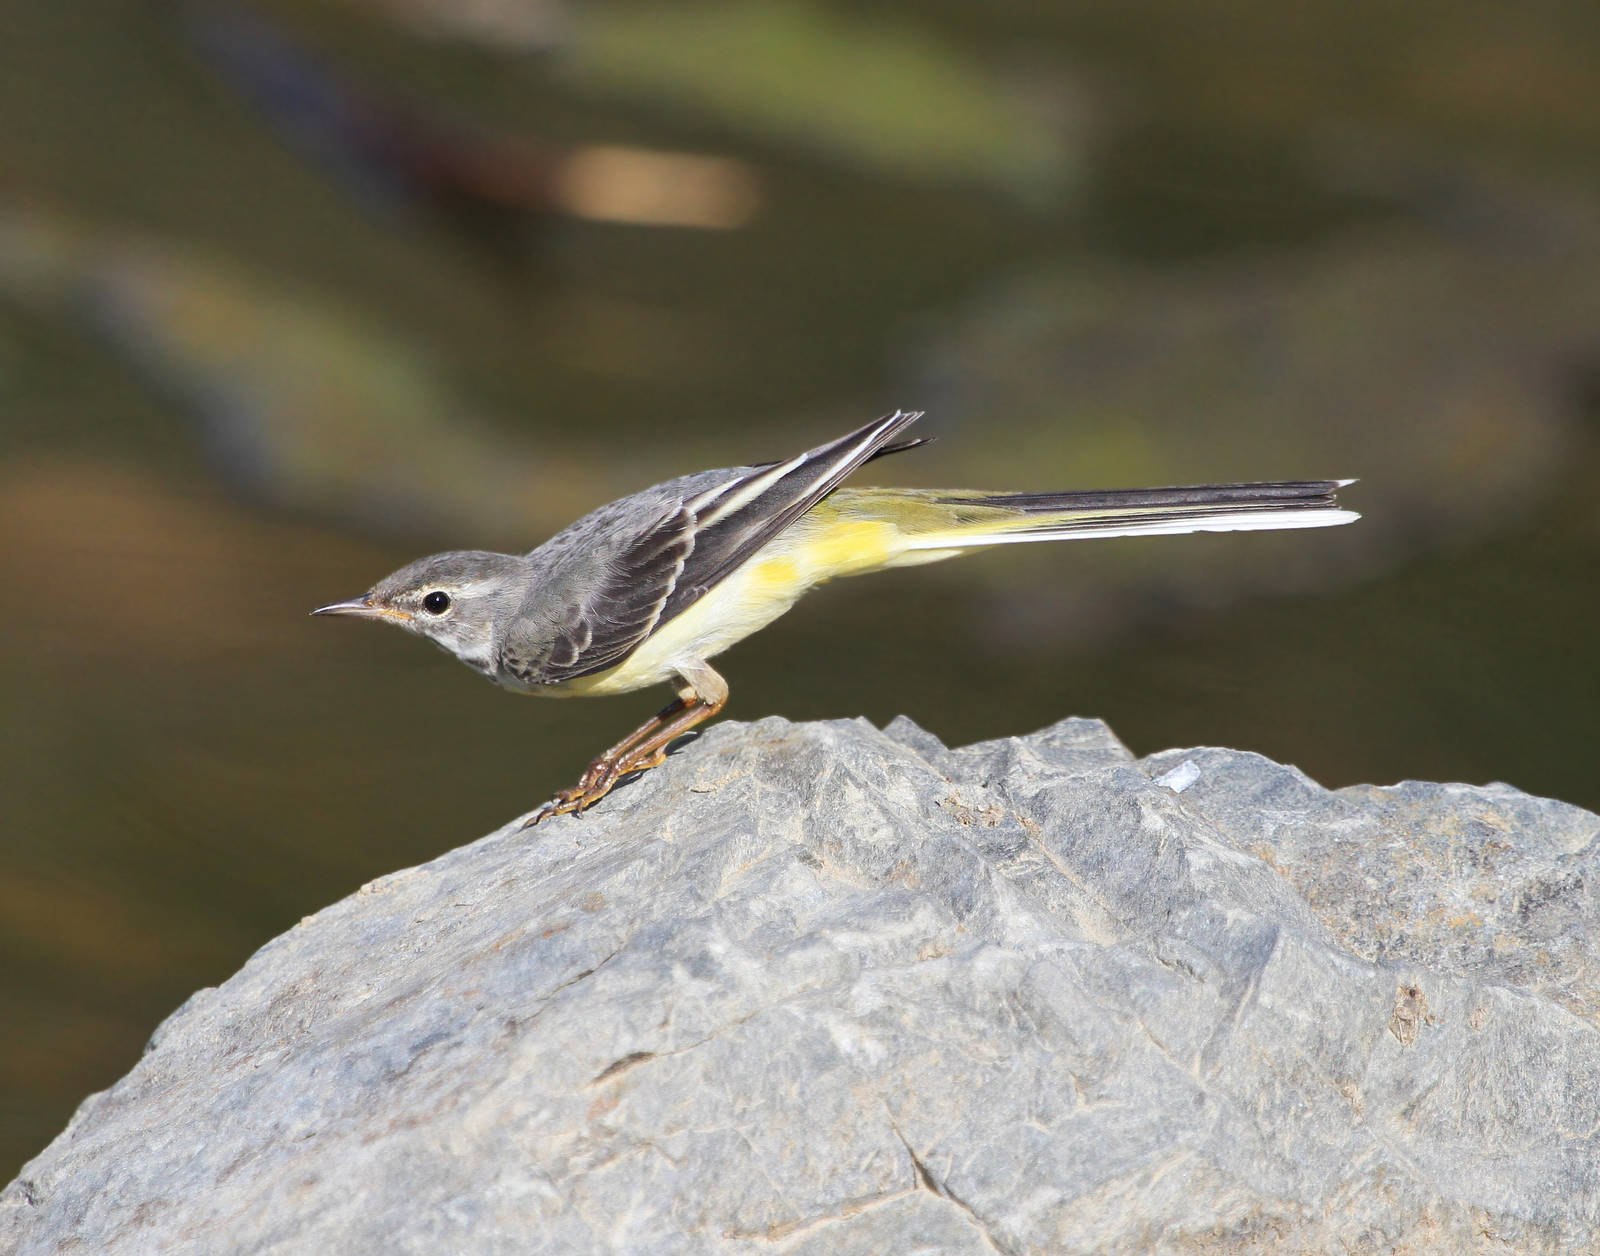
<point>293,292</point>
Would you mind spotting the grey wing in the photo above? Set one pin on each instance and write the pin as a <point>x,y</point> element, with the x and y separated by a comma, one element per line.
<point>703,533</point>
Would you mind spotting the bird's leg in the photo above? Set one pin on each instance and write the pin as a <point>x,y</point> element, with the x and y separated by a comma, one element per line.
<point>625,748</point>
<point>652,752</point>
<point>584,793</point>
<point>703,694</point>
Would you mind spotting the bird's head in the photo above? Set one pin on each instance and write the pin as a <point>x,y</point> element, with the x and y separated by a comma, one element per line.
<point>456,600</point>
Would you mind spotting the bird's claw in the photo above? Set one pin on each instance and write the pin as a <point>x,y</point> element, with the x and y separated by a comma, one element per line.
<point>567,802</point>
<point>604,775</point>
<point>595,784</point>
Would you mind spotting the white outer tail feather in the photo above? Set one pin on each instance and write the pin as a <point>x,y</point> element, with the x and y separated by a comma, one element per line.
<point>1241,521</point>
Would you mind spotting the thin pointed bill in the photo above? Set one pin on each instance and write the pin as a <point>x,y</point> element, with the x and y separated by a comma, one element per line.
<point>358,606</point>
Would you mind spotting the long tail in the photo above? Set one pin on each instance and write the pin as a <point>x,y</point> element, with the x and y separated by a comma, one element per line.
<point>925,525</point>
<point>999,518</point>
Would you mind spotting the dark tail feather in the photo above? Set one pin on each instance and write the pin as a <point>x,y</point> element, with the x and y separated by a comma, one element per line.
<point>1265,497</point>
<point>900,447</point>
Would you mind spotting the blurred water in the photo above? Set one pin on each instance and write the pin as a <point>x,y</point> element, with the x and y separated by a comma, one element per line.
<point>1102,248</point>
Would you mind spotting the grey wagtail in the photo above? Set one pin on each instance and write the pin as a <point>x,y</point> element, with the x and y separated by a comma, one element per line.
<point>654,586</point>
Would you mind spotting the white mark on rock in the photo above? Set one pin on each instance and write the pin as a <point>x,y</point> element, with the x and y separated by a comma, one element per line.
<point>1180,777</point>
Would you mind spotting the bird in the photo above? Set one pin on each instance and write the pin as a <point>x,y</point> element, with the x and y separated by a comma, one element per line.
<point>650,588</point>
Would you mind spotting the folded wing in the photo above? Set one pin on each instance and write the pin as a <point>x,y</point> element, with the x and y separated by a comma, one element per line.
<point>696,543</point>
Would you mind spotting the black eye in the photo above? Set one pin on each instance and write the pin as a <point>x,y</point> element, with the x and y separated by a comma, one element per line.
<point>437,602</point>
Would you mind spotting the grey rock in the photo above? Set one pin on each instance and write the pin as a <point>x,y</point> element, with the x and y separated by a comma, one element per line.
<point>828,989</point>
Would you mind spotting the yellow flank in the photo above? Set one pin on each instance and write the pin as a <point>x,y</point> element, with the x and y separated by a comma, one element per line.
<point>851,533</point>
<point>773,575</point>
<point>826,548</point>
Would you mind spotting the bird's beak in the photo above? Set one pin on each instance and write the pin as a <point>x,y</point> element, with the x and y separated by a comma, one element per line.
<point>354,606</point>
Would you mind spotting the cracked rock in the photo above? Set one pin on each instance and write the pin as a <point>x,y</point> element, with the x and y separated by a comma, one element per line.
<point>827,989</point>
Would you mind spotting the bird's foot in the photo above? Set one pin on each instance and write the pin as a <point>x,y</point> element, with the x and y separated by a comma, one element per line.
<point>646,748</point>
<point>598,780</point>
<point>565,802</point>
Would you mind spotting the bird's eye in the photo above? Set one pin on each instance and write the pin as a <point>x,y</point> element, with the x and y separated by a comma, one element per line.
<point>437,602</point>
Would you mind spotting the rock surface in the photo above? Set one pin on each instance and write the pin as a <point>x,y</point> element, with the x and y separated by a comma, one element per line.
<point>825,989</point>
